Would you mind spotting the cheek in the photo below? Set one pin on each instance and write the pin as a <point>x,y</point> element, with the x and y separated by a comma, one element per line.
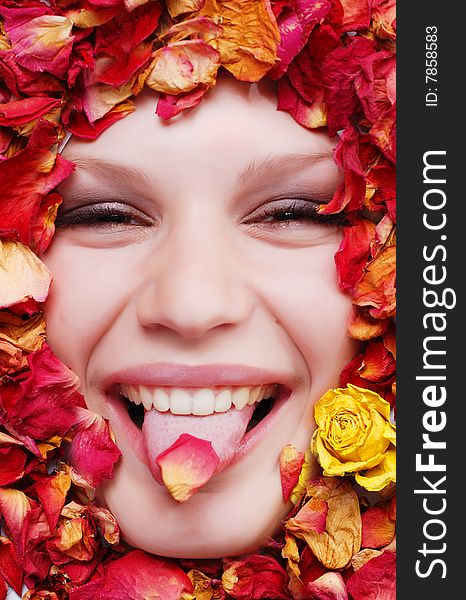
<point>311,309</point>
<point>86,293</point>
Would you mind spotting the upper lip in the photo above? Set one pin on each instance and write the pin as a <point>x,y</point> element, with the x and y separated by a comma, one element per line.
<point>179,375</point>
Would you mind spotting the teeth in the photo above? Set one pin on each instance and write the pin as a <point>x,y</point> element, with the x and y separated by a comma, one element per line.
<point>202,401</point>
<point>240,397</point>
<point>161,400</point>
<point>146,396</point>
<point>181,402</point>
<point>223,401</point>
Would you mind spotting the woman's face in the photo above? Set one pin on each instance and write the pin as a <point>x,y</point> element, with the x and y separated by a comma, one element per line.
<point>191,271</point>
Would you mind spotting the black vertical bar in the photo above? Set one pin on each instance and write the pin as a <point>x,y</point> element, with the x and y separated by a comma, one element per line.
<point>431,267</point>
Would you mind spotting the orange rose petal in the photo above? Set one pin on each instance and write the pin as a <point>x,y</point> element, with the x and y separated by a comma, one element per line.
<point>182,66</point>
<point>19,337</point>
<point>291,462</point>
<point>335,546</point>
<point>181,7</point>
<point>22,275</point>
<point>91,17</point>
<point>249,42</point>
<point>52,492</point>
<point>378,529</point>
<point>187,465</point>
<point>312,517</point>
<point>204,587</point>
<point>376,290</point>
<point>361,326</point>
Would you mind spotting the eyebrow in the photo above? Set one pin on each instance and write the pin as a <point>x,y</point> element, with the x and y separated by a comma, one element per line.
<point>281,165</point>
<point>117,171</point>
<point>254,170</point>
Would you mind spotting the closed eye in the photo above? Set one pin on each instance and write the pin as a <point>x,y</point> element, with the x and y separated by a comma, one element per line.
<point>292,212</point>
<point>102,215</point>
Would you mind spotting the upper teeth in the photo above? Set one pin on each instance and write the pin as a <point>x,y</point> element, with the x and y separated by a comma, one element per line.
<point>196,401</point>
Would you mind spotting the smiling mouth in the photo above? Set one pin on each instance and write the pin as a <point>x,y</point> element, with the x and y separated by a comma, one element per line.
<point>199,402</point>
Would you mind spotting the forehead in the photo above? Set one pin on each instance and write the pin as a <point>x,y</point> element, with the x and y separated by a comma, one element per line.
<point>234,119</point>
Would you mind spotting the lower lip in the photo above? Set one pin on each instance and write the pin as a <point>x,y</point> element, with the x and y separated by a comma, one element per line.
<point>123,425</point>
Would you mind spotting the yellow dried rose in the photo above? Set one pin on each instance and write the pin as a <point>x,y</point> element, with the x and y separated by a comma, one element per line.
<point>354,435</point>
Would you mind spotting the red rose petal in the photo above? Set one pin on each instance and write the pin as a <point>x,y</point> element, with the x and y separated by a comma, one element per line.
<point>255,577</point>
<point>136,575</point>
<point>375,580</point>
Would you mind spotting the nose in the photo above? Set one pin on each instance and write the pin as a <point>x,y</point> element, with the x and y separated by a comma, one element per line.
<point>194,284</point>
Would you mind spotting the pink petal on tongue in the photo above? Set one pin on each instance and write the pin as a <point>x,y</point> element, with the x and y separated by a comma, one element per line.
<point>223,430</point>
<point>187,465</point>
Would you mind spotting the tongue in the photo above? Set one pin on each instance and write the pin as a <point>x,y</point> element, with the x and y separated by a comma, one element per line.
<point>224,430</point>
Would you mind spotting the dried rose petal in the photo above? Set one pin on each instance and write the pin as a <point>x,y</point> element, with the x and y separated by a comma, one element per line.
<point>22,275</point>
<point>376,290</point>
<point>26,178</point>
<point>42,43</point>
<point>360,558</point>
<point>180,7</point>
<point>375,580</point>
<point>10,565</point>
<point>91,431</point>
<point>295,24</point>
<point>136,575</point>
<point>78,123</point>
<point>169,106</point>
<point>255,577</point>
<point>329,586</point>
<point>181,66</point>
<point>250,37</point>
<point>52,491</point>
<point>18,337</point>
<point>187,465</point>
<point>291,462</point>
<point>14,508</point>
<point>311,517</point>
<point>18,112</point>
<point>351,193</point>
<point>335,546</point>
<point>378,529</point>
<point>42,403</point>
<point>361,326</point>
<point>353,253</point>
<point>12,459</point>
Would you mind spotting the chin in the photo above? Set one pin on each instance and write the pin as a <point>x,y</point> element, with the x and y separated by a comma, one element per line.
<point>233,514</point>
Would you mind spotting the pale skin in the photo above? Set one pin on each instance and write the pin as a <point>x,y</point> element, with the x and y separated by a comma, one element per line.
<point>216,261</point>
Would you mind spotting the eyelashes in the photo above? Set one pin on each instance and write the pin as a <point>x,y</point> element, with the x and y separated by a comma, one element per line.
<point>286,212</point>
<point>280,213</point>
<point>104,215</point>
